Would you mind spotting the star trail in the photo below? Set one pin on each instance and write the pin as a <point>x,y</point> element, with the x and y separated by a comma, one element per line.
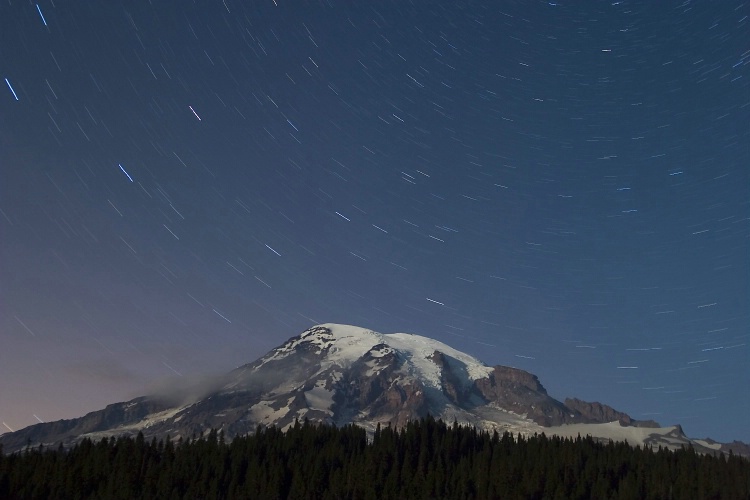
<point>562,187</point>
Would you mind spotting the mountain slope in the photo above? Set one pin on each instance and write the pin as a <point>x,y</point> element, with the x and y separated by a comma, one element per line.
<point>339,374</point>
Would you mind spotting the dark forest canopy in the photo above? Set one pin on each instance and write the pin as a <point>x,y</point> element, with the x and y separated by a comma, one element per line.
<point>425,459</point>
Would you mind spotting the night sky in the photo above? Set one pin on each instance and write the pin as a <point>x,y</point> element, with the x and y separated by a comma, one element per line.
<point>563,187</point>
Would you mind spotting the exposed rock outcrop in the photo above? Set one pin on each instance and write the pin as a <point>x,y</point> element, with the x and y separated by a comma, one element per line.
<point>597,412</point>
<point>521,392</point>
<point>449,381</point>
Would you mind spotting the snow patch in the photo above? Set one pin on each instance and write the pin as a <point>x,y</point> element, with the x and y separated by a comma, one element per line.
<point>634,436</point>
<point>263,411</point>
<point>320,398</point>
<point>710,446</point>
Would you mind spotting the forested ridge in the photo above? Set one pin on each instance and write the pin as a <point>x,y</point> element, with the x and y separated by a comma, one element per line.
<point>425,459</point>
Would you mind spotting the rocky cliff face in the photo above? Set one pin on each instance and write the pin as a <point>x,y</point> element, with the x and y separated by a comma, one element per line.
<point>450,382</point>
<point>521,392</point>
<point>336,374</point>
<point>598,412</point>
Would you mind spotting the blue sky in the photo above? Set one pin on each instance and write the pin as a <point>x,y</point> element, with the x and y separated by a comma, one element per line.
<point>557,187</point>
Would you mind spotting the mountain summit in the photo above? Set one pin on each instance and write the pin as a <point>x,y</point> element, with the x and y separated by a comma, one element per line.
<point>340,374</point>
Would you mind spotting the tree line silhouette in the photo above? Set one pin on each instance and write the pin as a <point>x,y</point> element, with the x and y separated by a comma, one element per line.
<point>425,459</point>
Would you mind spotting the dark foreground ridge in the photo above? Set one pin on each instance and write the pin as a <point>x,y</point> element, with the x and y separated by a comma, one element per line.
<point>424,459</point>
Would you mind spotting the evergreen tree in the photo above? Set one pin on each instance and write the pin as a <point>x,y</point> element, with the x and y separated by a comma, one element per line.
<point>425,459</point>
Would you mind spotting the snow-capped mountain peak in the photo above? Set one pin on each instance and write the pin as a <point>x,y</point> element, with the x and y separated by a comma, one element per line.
<point>342,374</point>
<point>343,345</point>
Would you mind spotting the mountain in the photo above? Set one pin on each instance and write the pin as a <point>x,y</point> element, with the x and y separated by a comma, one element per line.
<point>340,374</point>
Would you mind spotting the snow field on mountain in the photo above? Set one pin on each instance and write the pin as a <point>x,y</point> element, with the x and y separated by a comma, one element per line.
<point>352,342</point>
<point>320,398</point>
<point>616,432</point>
<point>263,412</point>
<point>421,348</point>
